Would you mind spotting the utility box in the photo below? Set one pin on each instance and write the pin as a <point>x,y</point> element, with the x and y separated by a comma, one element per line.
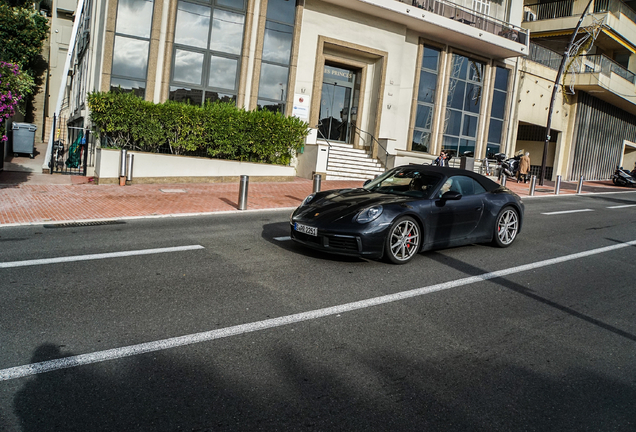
<point>23,138</point>
<point>467,163</point>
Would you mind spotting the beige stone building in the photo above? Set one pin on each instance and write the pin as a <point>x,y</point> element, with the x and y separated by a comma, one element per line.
<point>380,82</point>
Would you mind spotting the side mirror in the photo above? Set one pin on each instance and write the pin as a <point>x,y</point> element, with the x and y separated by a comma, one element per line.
<point>367,182</point>
<point>451,196</point>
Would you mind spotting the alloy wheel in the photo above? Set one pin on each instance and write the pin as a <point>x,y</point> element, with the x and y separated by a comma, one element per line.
<point>507,226</point>
<point>403,241</point>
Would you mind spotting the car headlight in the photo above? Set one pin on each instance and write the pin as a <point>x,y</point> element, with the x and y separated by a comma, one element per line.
<point>370,214</point>
<point>307,200</point>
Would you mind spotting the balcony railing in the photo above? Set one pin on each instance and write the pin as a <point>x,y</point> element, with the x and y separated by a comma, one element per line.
<point>544,56</point>
<point>568,8</point>
<point>472,18</point>
<point>605,66</point>
<point>589,63</point>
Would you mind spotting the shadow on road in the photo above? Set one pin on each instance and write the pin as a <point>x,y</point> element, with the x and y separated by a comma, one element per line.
<point>158,392</point>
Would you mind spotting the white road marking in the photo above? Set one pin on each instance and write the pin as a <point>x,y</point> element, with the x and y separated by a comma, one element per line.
<point>567,211</point>
<point>622,206</point>
<point>97,256</point>
<point>282,238</point>
<point>117,353</point>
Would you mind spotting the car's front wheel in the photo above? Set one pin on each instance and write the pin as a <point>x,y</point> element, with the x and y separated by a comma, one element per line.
<point>507,227</point>
<point>403,240</point>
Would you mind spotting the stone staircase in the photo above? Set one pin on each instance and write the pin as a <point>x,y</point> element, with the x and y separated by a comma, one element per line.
<point>347,163</point>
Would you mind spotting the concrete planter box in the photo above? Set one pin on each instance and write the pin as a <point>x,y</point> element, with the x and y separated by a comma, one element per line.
<point>160,168</point>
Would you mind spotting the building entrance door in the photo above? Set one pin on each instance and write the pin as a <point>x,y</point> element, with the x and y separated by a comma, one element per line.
<point>338,104</point>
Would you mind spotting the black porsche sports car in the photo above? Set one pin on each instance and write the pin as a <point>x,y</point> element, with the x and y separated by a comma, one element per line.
<point>406,210</point>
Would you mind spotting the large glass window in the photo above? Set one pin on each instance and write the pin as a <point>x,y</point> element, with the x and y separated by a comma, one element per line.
<point>463,105</point>
<point>498,112</point>
<point>207,51</point>
<point>132,44</point>
<point>429,70</point>
<point>277,45</point>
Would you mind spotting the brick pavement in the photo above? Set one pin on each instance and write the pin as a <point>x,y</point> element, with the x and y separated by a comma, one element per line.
<point>25,201</point>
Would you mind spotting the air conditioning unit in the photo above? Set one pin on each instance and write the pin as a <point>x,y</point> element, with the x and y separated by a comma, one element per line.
<point>529,16</point>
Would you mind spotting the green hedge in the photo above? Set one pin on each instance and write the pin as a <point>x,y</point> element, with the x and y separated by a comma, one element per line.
<point>219,130</point>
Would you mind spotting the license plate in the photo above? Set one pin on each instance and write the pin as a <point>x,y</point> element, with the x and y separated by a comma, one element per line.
<point>306,229</point>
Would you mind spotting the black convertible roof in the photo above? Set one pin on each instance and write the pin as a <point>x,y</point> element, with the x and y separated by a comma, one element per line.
<point>488,184</point>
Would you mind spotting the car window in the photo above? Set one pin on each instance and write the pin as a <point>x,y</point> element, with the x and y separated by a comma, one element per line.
<point>405,181</point>
<point>463,185</point>
<point>469,186</point>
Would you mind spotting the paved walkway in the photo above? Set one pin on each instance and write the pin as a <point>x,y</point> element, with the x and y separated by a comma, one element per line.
<point>27,196</point>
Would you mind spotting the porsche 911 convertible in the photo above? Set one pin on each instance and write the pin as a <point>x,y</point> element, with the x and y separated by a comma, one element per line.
<point>407,210</point>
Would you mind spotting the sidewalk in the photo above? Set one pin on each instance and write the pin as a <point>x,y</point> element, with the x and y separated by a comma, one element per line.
<point>29,197</point>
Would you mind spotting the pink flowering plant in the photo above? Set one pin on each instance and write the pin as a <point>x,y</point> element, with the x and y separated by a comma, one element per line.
<point>14,86</point>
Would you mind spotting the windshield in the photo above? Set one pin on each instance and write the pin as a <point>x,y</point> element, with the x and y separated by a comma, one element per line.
<point>405,181</point>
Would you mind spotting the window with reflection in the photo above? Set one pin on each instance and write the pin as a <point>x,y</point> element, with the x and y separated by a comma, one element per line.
<point>131,47</point>
<point>429,70</point>
<point>276,58</point>
<point>208,41</point>
<point>497,112</point>
<point>463,105</point>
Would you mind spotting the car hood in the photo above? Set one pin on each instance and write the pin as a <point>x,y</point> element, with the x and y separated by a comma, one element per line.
<point>344,204</point>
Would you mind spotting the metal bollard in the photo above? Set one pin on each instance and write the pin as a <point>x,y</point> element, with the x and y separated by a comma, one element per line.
<point>122,163</point>
<point>533,183</point>
<point>122,168</point>
<point>317,180</point>
<point>503,179</point>
<point>243,192</point>
<point>557,185</point>
<point>129,168</point>
<point>579,188</point>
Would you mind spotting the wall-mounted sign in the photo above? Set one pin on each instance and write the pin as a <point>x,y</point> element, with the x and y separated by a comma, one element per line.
<point>301,106</point>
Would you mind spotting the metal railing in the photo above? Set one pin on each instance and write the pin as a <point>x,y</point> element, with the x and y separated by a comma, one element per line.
<point>544,56</point>
<point>606,66</point>
<point>568,8</point>
<point>615,7</point>
<point>380,146</point>
<point>472,18</point>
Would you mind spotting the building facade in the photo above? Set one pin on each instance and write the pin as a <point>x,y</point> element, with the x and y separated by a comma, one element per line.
<point>594,119</point>
<point>391,81</point>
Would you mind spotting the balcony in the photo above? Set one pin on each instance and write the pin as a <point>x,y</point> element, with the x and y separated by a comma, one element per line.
<point>452,23</point>
<point>598,75</point>
<point>573,8</point>
<point>472,18</point>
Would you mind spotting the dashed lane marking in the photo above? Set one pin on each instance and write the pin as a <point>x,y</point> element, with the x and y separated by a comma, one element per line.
<point>567,211</point>
<point>97,256</point>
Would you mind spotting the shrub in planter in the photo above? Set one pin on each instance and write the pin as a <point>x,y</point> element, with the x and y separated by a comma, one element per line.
<point>220,130</point>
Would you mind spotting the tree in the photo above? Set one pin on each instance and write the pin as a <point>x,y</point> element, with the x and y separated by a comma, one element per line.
<point>14,86</point>
<point>22,32</point>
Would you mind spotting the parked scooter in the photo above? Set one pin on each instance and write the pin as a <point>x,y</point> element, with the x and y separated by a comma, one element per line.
<point>510,166</point>
<point>623,177</point>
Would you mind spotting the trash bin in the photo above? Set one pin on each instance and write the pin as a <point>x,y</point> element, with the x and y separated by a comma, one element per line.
<point>23,138</point>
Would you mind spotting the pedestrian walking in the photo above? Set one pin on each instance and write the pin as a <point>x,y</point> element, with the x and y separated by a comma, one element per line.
<point>524,168</point>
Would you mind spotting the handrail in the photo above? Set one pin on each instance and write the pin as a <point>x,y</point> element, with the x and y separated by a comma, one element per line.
<point>566,8</point>
<point>472,18</point>
<point>326,140</point>
<point>544,56</point>
<point>599,63</point>
<point>386,152</point>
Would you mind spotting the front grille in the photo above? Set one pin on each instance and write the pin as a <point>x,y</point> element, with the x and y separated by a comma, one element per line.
<point>307,238</point>
<point>346,243</point>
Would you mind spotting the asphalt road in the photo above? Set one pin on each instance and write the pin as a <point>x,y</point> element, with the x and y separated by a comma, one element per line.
<point>549,346</point>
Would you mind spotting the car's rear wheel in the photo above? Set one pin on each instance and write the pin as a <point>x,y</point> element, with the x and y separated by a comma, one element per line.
<point>403,240</point>
<point>507,227</point>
